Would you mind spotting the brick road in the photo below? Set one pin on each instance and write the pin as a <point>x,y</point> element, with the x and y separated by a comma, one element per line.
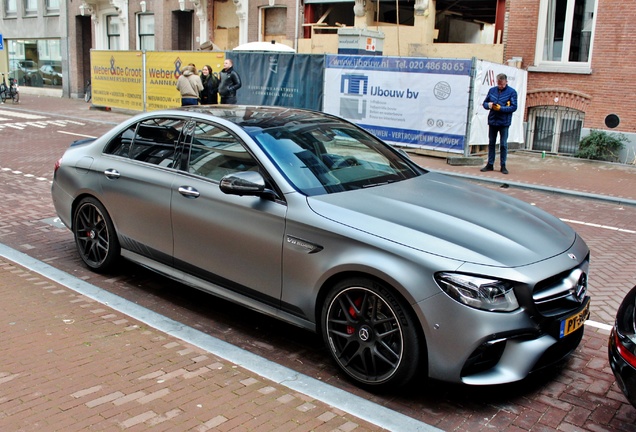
<point>580,397</point>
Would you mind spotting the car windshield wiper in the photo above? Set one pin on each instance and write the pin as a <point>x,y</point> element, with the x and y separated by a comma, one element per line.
<point>385,182</point>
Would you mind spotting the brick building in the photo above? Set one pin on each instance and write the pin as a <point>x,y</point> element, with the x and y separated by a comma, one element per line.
<point>581,69</point>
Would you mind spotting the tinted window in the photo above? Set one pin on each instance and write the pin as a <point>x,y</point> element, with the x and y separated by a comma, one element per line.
<point>153,141</point>
<point>215,153</point>
<point>329,158</point>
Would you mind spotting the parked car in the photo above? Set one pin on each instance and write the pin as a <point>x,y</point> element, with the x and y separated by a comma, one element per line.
<point>622,347</point>
<point>308,218</point>
<point>50,75</point>
<point>26,72</point>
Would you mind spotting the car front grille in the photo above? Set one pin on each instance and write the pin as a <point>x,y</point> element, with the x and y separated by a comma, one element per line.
<point>562,293</point>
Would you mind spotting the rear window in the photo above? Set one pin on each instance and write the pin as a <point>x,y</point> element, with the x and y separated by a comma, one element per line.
<point>151,141</point>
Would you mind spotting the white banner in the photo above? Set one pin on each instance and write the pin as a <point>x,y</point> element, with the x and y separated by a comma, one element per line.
<point>410,101</point>
<point>485,78</point>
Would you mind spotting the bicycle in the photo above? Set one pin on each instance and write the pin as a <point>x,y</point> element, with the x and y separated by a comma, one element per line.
<point>88,93</point>
<point>9,92</point>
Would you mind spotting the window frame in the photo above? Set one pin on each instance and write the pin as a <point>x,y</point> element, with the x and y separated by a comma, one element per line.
<point>29,11</point>
<point>558,115</point>
<point>113,36</point>
<point>8,12</point>
<point>52,7</point>
<point>562,66</point>
<point>141,36</point>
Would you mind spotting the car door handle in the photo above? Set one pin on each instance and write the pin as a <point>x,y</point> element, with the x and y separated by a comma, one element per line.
<point>189,192</point>
<point>112,173</point>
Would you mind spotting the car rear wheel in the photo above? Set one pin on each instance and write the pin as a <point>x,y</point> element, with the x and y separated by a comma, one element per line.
<point>370,334</point>
<point>95,235</point>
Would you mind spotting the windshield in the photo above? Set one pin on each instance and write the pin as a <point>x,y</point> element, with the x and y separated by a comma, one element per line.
<point>327,158</point>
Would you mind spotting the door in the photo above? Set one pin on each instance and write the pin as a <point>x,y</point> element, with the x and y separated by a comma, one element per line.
<point>233,241</point>
<point>136,182</point>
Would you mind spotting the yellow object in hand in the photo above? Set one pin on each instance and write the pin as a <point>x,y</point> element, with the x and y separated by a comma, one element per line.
<point>496,107</point>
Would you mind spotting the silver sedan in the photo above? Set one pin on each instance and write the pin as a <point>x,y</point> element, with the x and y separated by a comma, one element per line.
<point>308,218</point>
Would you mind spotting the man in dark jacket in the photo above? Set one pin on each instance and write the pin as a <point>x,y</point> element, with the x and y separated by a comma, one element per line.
<point>502,102</point>
<point>230,83</point>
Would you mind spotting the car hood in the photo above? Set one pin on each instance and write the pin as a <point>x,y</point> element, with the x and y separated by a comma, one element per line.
<point>451,218</point>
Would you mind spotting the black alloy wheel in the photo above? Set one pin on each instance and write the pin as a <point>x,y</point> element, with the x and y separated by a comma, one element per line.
<point>95,235</point>
<point>370,335</point>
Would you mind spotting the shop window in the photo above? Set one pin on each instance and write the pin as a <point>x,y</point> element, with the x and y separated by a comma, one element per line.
<point>146,29</point>
<point>112,32</point>
<point>36,62</point>
<point>565,35</point>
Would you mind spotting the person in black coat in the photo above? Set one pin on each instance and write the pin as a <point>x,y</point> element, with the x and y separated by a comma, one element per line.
<point>230,83</point>
<point>210,93</point>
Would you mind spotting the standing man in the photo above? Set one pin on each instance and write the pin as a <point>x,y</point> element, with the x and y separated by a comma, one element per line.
<point>189,85</point>
<point>230,83</point>
<point>502,102</point>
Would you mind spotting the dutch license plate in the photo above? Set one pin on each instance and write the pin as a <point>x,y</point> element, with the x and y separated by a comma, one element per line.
<point>574,322</point>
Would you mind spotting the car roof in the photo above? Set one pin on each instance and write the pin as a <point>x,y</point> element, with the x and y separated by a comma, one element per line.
<point>263,117</point>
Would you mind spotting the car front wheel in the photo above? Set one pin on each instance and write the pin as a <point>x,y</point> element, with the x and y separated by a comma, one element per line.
<point>370,334</point>
<point>95,235</point>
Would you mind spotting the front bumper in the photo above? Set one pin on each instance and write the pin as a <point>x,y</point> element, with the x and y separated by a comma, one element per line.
<point>502,348</point>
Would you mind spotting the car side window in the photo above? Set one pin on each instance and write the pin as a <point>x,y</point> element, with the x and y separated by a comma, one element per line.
<point>152,141</point>
<point>215,153</point>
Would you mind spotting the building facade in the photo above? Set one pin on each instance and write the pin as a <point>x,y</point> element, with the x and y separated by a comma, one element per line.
<point>35,43</point>
<point>581,70</point>
<point>577,52</point>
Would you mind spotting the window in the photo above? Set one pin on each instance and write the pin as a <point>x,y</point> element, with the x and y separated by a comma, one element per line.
<point>146,32</point>
<point>215,153</point>
<point>565,35</point>
<point>53,7</point>
<point>152,141</point>
<point>10,8</point>
<point>555,129</point>
<point>275,20</point>
<point>30,7</point>
<point>112,32</point>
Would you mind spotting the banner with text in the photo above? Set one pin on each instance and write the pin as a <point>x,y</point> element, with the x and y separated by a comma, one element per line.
<point>117,79</point>
<point>164,68</point>
<point>280,79</point>
<point>415,102</point>
<point>485,78</point>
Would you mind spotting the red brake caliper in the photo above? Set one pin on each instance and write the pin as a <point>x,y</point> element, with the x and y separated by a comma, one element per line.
<point>354,315</point>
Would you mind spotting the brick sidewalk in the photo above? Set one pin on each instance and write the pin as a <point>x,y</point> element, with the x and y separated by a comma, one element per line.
<point>75,364</point>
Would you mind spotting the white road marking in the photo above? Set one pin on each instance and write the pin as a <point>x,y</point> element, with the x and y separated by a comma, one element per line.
<point>598,325</point>
<point>611,228</point>
<point>39,124</point>
<point>21,115</point>
<point>76,134</point>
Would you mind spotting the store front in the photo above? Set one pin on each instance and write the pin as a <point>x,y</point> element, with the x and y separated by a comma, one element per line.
<point>36,62</point>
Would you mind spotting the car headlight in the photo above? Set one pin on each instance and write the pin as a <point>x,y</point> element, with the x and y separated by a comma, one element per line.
<point>478,292</point>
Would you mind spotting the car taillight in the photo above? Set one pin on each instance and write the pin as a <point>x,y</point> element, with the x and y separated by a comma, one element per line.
<point>623,351</point>
<point>57,165</point>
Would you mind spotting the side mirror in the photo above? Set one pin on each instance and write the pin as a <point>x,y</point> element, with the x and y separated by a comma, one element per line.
<point>243,183</point>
